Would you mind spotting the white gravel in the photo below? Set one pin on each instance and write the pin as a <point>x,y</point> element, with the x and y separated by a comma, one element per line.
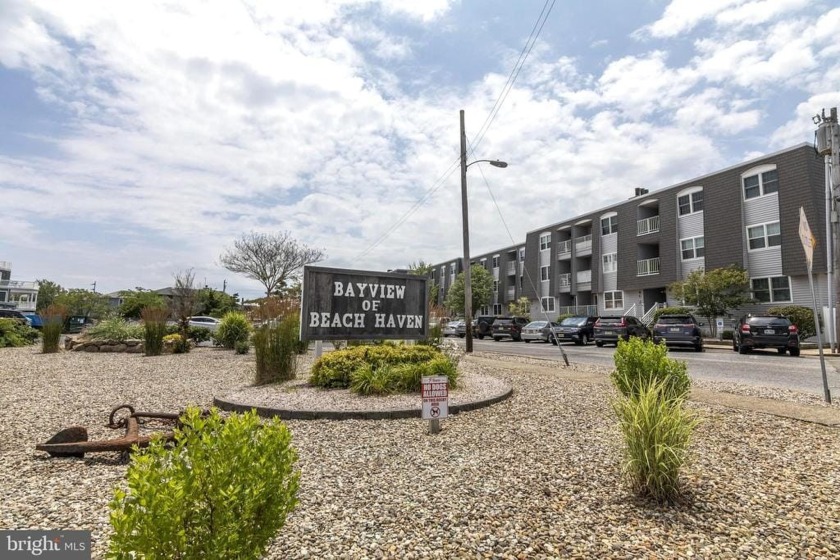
<point>536,476</point>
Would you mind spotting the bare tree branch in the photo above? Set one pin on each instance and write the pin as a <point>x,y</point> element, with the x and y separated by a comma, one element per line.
<point>270,259</point>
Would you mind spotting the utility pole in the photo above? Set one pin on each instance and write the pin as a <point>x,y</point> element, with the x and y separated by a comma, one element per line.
<point>828,146</point>
<point>466,227</point>
<point>94,286</point>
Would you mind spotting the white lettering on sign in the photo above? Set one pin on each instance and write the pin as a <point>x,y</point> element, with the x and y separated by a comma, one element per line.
<point>346,320</point>
<point>364,290</point>
<point>434,390</point>
<point>383,320</point>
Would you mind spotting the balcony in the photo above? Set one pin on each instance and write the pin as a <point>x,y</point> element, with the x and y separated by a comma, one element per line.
<point>579,310</point>
<point>583,244</point>
<point>564,249</point>
<point>511,294</point>
<point>5,265</point>
<point>647,225</point>
<point>584,276</point>
<point>564,282</point>
<point>18,285</point>
<point>511,268</point>
<point>647,267</point>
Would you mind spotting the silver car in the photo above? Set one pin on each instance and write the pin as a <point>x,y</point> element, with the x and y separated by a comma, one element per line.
<point>538,330</point>
<point>203,322</point>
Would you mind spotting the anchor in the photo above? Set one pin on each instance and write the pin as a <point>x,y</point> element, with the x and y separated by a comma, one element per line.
<point>73,441</point>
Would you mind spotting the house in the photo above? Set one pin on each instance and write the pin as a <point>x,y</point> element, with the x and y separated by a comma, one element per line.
<point>620,260</point>
<point>16,294</point>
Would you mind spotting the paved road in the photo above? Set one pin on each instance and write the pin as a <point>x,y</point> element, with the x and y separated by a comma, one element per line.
<point>762,368</point>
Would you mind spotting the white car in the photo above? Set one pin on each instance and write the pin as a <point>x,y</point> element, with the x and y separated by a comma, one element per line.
<point>204,322</point>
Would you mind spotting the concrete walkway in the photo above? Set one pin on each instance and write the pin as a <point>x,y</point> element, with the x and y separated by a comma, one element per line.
<point>817,414</point>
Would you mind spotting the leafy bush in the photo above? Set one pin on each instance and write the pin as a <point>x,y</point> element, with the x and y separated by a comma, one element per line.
<point>115,328</point>
<point>672,311</point>
<point>638,361</point>
<point>234,327</point>
<point>727,335</point>
<point>196,334</point>
<point>802,317</point>
<point>657,430</point>
<point>53,317</point>
<point>275,346</point>
<point>14,332</point>
<point>382,369</point>
<point>222,490</point>
<point>242,347</point>
<point>435,335</point>
<point>154,329</point>
<point>176,344</point>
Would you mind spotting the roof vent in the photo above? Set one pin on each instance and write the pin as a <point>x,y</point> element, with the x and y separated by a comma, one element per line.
<point>641,191</point>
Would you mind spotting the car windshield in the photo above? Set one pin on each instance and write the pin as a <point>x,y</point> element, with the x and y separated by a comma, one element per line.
<point>611,320</point>
<point>573,321</point>
<point>675,320</point>
<point>536,325</point>
<point>768,322</point>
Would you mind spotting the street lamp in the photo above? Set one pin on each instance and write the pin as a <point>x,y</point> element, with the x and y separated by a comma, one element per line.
<point>467,272</point>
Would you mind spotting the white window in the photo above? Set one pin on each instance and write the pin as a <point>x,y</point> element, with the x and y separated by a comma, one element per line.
<point>609,224</point>
<point>610,262</point>
<point>614,300</point>
<point>771,290</point>
<point>522,254</point>
<point>483,263</point>
<point>761,184</point>
<point>497,309</point>
<point>544,273</point>
<point>545,241</point>
<point>495,261</point>
<point>693,248</point>
<point>547,304</point>
<point>452,269</point>
<point>762,236</point>
<point>690,202</point>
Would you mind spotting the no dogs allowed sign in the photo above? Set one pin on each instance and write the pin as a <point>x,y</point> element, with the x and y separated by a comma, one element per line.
<point>435,393</point>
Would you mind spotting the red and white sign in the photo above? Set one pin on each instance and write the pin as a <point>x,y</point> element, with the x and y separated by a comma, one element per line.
<point>435,393</point>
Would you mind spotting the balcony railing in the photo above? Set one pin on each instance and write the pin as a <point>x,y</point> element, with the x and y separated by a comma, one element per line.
<point>579,310</point>
<point>5,265</point>
<point>584,276</point>
<point>18,285</point>
<point>511,268</point>
<point>564,280</point>
<point>647,225</point>
<point>511,294</point>
<point>583,243</point>
<point>647,267</point>
<point>564,247</point>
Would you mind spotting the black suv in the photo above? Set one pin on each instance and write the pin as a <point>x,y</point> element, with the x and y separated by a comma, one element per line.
<point>608,330</point>
<point>504,327</point>
<point>483,325</point>
<point>678,330</point>
<point>766,331</point>
<point>14,314</point>
<point>579,330</point>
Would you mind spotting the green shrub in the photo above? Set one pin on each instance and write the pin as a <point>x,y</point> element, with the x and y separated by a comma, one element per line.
<point>638,361</point>
<point>672,311</point>
<point>727,335</point>
<point>657,430</point>
<point>176,344</point>
<point>222,490</point>
<point>115,328</point>
<point>154,329</point>
<point>382,380</point>
<point>234,327</point>
<point>199,334</point>
<point>242,347</point>
<point>52,317</point>
<point>14,332</point>
<point>802,317</point>
<point>275,346</point>
<point>435,336</point>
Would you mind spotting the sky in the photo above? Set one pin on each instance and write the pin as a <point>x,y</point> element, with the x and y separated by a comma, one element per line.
<point>140,139</point>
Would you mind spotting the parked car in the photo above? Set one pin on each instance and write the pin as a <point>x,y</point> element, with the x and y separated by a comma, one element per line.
<point>15,314</point>
<point>579,330</point>
<point>608,330</point>
<point>679,331</point>
<point>461,329</point>
<point>504,327</point>
<point>205,322</point>
<point>77,323</point>
<point>483,325</point>
<point>455,328</point>
<point>539,330</point>
<point>766,331</point>
<point>35,320</point>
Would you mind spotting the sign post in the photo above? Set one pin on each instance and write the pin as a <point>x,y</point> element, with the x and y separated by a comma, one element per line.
<point>808,243</point>
<point>434,391</point>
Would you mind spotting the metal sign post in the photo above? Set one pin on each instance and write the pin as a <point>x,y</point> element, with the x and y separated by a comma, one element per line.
<point>809,242</point>
<point>434,391</point>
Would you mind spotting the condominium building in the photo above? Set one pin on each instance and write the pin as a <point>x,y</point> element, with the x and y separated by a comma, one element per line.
<point>620,260</point>
<point>16,294</point>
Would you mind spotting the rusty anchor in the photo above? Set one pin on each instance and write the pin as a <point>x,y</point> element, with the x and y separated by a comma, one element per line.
<point>73,441</point>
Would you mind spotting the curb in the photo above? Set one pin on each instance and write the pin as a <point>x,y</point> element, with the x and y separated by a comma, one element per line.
<point>292,414</point>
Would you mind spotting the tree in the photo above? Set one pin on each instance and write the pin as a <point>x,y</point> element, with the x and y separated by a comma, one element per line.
<point>83,302</point>
<point>520,307</point>
<point>215,303</point>
<point>184,304</point>
<point>420,268</point>
<point>482,290</point>
<point>47,292</point>
<point>270,259</point>
<point>715,292</point>
<point>135,300</point>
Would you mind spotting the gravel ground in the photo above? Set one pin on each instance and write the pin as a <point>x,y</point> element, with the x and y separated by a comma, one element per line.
<point>536,476</point>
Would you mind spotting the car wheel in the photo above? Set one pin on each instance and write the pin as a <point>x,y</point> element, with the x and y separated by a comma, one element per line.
<point>734,345</point>
<point>496,338</point>
<point>698,348</point>
<point>794,352</point>
<point>781,351</point>
<point>527,341</point>
<point>742,349</point>
<point>481,337</point>
<point>583,340</point>
<point>553,340</point>
<point>599,343</point>
<point>463,335</point>
<point>517,338</point>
